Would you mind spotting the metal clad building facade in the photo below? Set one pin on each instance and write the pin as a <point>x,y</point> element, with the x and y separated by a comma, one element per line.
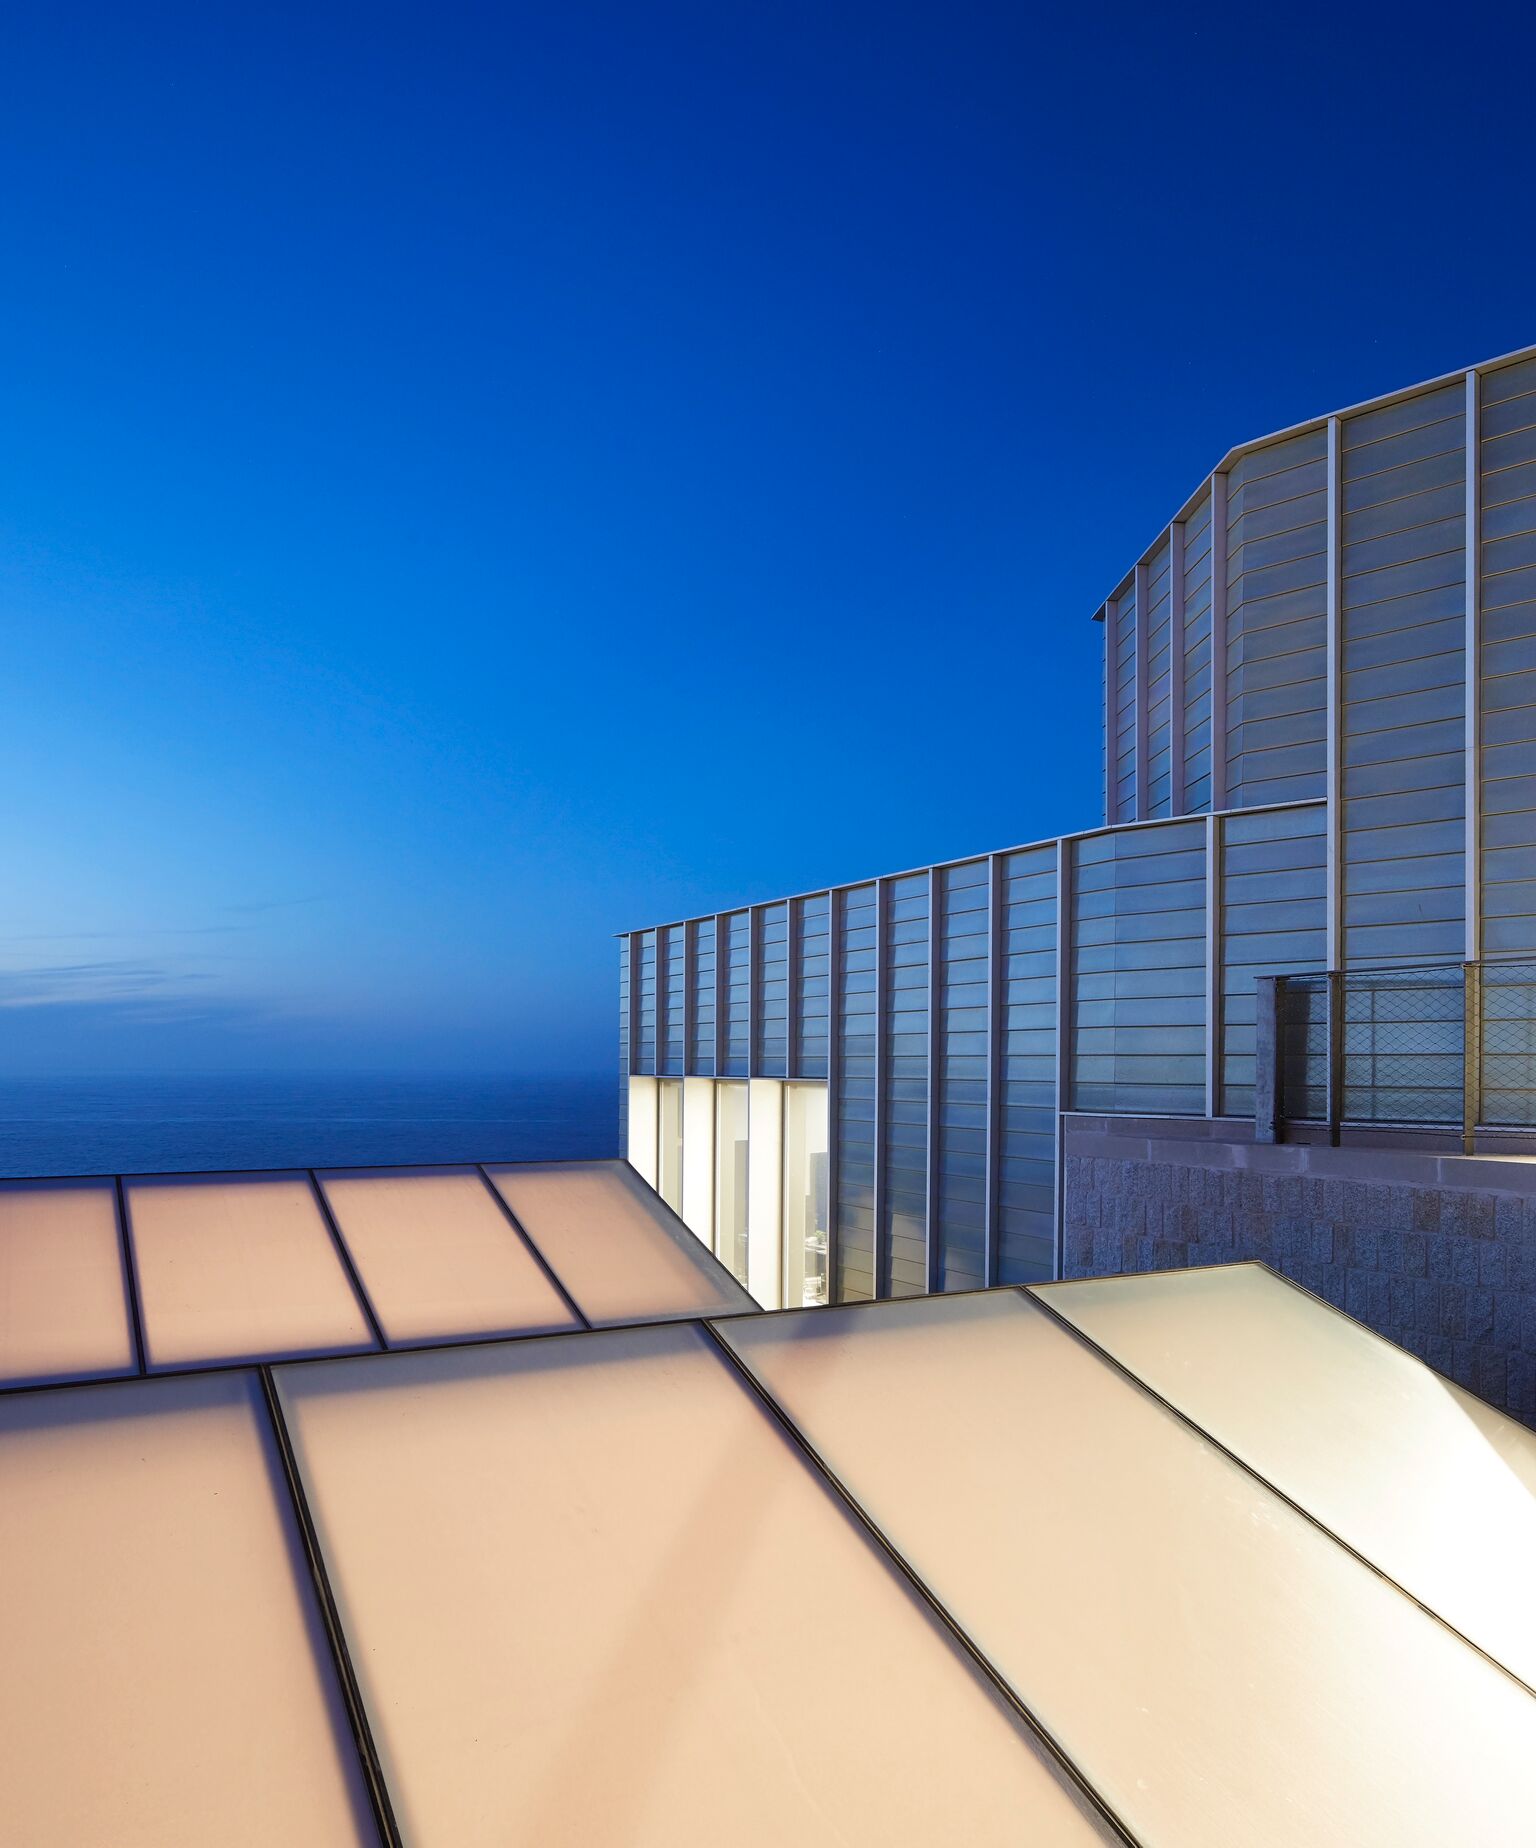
<point>1319,709</point>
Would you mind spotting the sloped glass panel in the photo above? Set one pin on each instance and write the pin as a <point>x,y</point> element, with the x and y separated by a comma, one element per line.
<point>1223,1673</point>
<point>613,1244</point>
<point>1430,1484</point>
<point>166,1679</point>
<point>438,1257</point>
<point>596,1596</point>
<point>238,1267</point>
<point>63,1310</point>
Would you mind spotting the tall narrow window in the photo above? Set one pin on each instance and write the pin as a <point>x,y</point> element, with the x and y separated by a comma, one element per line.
<point>731,1179</point>
<point>805,1195</point>
<point>669,1144</point>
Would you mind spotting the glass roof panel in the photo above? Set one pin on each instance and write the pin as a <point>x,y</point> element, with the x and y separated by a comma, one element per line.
<point>1223,1673</point>
<point>595,1595</point>
<point>615,1246</point>
<point>1412,1471</point>
<point>438,1257</point>
<point>166,1679</point>
<point>238,1267</point>
<point>63,1307</point>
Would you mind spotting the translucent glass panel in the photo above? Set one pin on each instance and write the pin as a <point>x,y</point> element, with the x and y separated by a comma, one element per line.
<point>1223,1673</point>
<point>1159,695</point>
<point>669,1143</point>
<point>771,1024</point>
<point>1403,613</point>
<point>1196,740</point>
<point>1138,970</point>
<point>673,1004</point>
<point>605,1601</point>
<point>961,967</point>
<point>1507,523</point>
<point>735,940</point>
<point>1414,1473</point>
<point>807,1199</point>
<point>1026,1067</point>
<point>857,973</point>
<point>238,1267</point>
<point>1277,622</point>
<point>903,1203</point>
<point>617,1250</point>
<point>1274,919</point>
<point>733,1149</point>
<point>1122,638</point>
<point>812,975</point>
<point>166,1677</point>
<point>702,964</point>
<point>63,1305</point>
<point>438,1257</point>
<point>645,1004</point>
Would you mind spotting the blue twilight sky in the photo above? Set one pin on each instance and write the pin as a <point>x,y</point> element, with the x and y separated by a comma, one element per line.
<point>473,479</point>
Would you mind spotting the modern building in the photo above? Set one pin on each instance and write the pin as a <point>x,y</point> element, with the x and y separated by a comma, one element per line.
<point>1319,713</point>
<point>481,1506</point>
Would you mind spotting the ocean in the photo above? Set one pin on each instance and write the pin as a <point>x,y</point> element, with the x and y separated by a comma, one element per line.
<point>125,1125</point>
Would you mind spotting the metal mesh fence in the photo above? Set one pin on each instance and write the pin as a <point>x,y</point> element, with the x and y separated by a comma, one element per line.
<point>1402,1045</point>
<point>1508,1050</point>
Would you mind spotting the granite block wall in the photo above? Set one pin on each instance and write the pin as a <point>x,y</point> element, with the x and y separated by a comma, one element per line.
<point>1447,1271</point>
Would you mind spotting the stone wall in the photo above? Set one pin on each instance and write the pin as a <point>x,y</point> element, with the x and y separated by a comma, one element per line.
<point>1438,1253</point>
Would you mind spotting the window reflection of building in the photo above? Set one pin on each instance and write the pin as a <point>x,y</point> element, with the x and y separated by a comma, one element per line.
<point>806,1196</point>
<point>731,1179</point>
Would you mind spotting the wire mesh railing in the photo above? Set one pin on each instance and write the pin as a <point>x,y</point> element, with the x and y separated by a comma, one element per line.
<point>1439,1045</point>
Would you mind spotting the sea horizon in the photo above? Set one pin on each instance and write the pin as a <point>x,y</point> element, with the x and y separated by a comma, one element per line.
<point>140,1123</point>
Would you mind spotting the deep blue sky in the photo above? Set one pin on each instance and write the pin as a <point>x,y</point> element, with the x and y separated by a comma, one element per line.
<point>473,480</point>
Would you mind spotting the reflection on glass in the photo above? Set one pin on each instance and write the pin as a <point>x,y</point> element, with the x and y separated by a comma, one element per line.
<point>805,1195</point>
<point>669,1144</point>
<point>731,1180</point>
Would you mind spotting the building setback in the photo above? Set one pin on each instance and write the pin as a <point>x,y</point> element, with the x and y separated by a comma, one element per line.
<point>1319,720</point>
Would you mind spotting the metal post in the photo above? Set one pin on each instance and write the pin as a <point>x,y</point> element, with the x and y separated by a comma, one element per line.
<point>932,1252</point>
<point>1335,1054</point>
<point>1471,1054</point>
<point>1063,1088</point>
<point>1334,718</point>
<point>834,1076</point>
<point>1143,739</point>
<point>1212,965</point>
<point>1472,669</point>
<point>877,1237</point>
<point>1176,796</point>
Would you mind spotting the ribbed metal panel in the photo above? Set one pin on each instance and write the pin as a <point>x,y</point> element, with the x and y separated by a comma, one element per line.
<point>672,999</point>
<point>1276,617</point>
<point>1402,713</point>
<point>735,957</point>
<point>625,953</point>
<point>1125,704</point>
<point>853,1106</point>
<point>1026,1066</point>
<point>1159,697</point>
<point>771,1026</point>
<point>1274,902</point>
<point>811,986</point>
<point>905,974</point>
<point>1138,971</point>
<point>702,977</point>
<point>960,1077</point>
<point>1197,660</point>
<point>645,1009</point>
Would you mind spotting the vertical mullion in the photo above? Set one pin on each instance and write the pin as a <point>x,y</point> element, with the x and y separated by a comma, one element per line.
<point>1063,1085</point>
<point>634,1001</point>
<point>877,1191</point>
<point>1334,684</point>
<point>932,1252</point>
<point>1212,964</point>
<point>996,939</point>
<point>1176,668</point>
<point>754,992</point>
<point>1218,640</point>
<point>1474,677</point>
<point>1142,716</point>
